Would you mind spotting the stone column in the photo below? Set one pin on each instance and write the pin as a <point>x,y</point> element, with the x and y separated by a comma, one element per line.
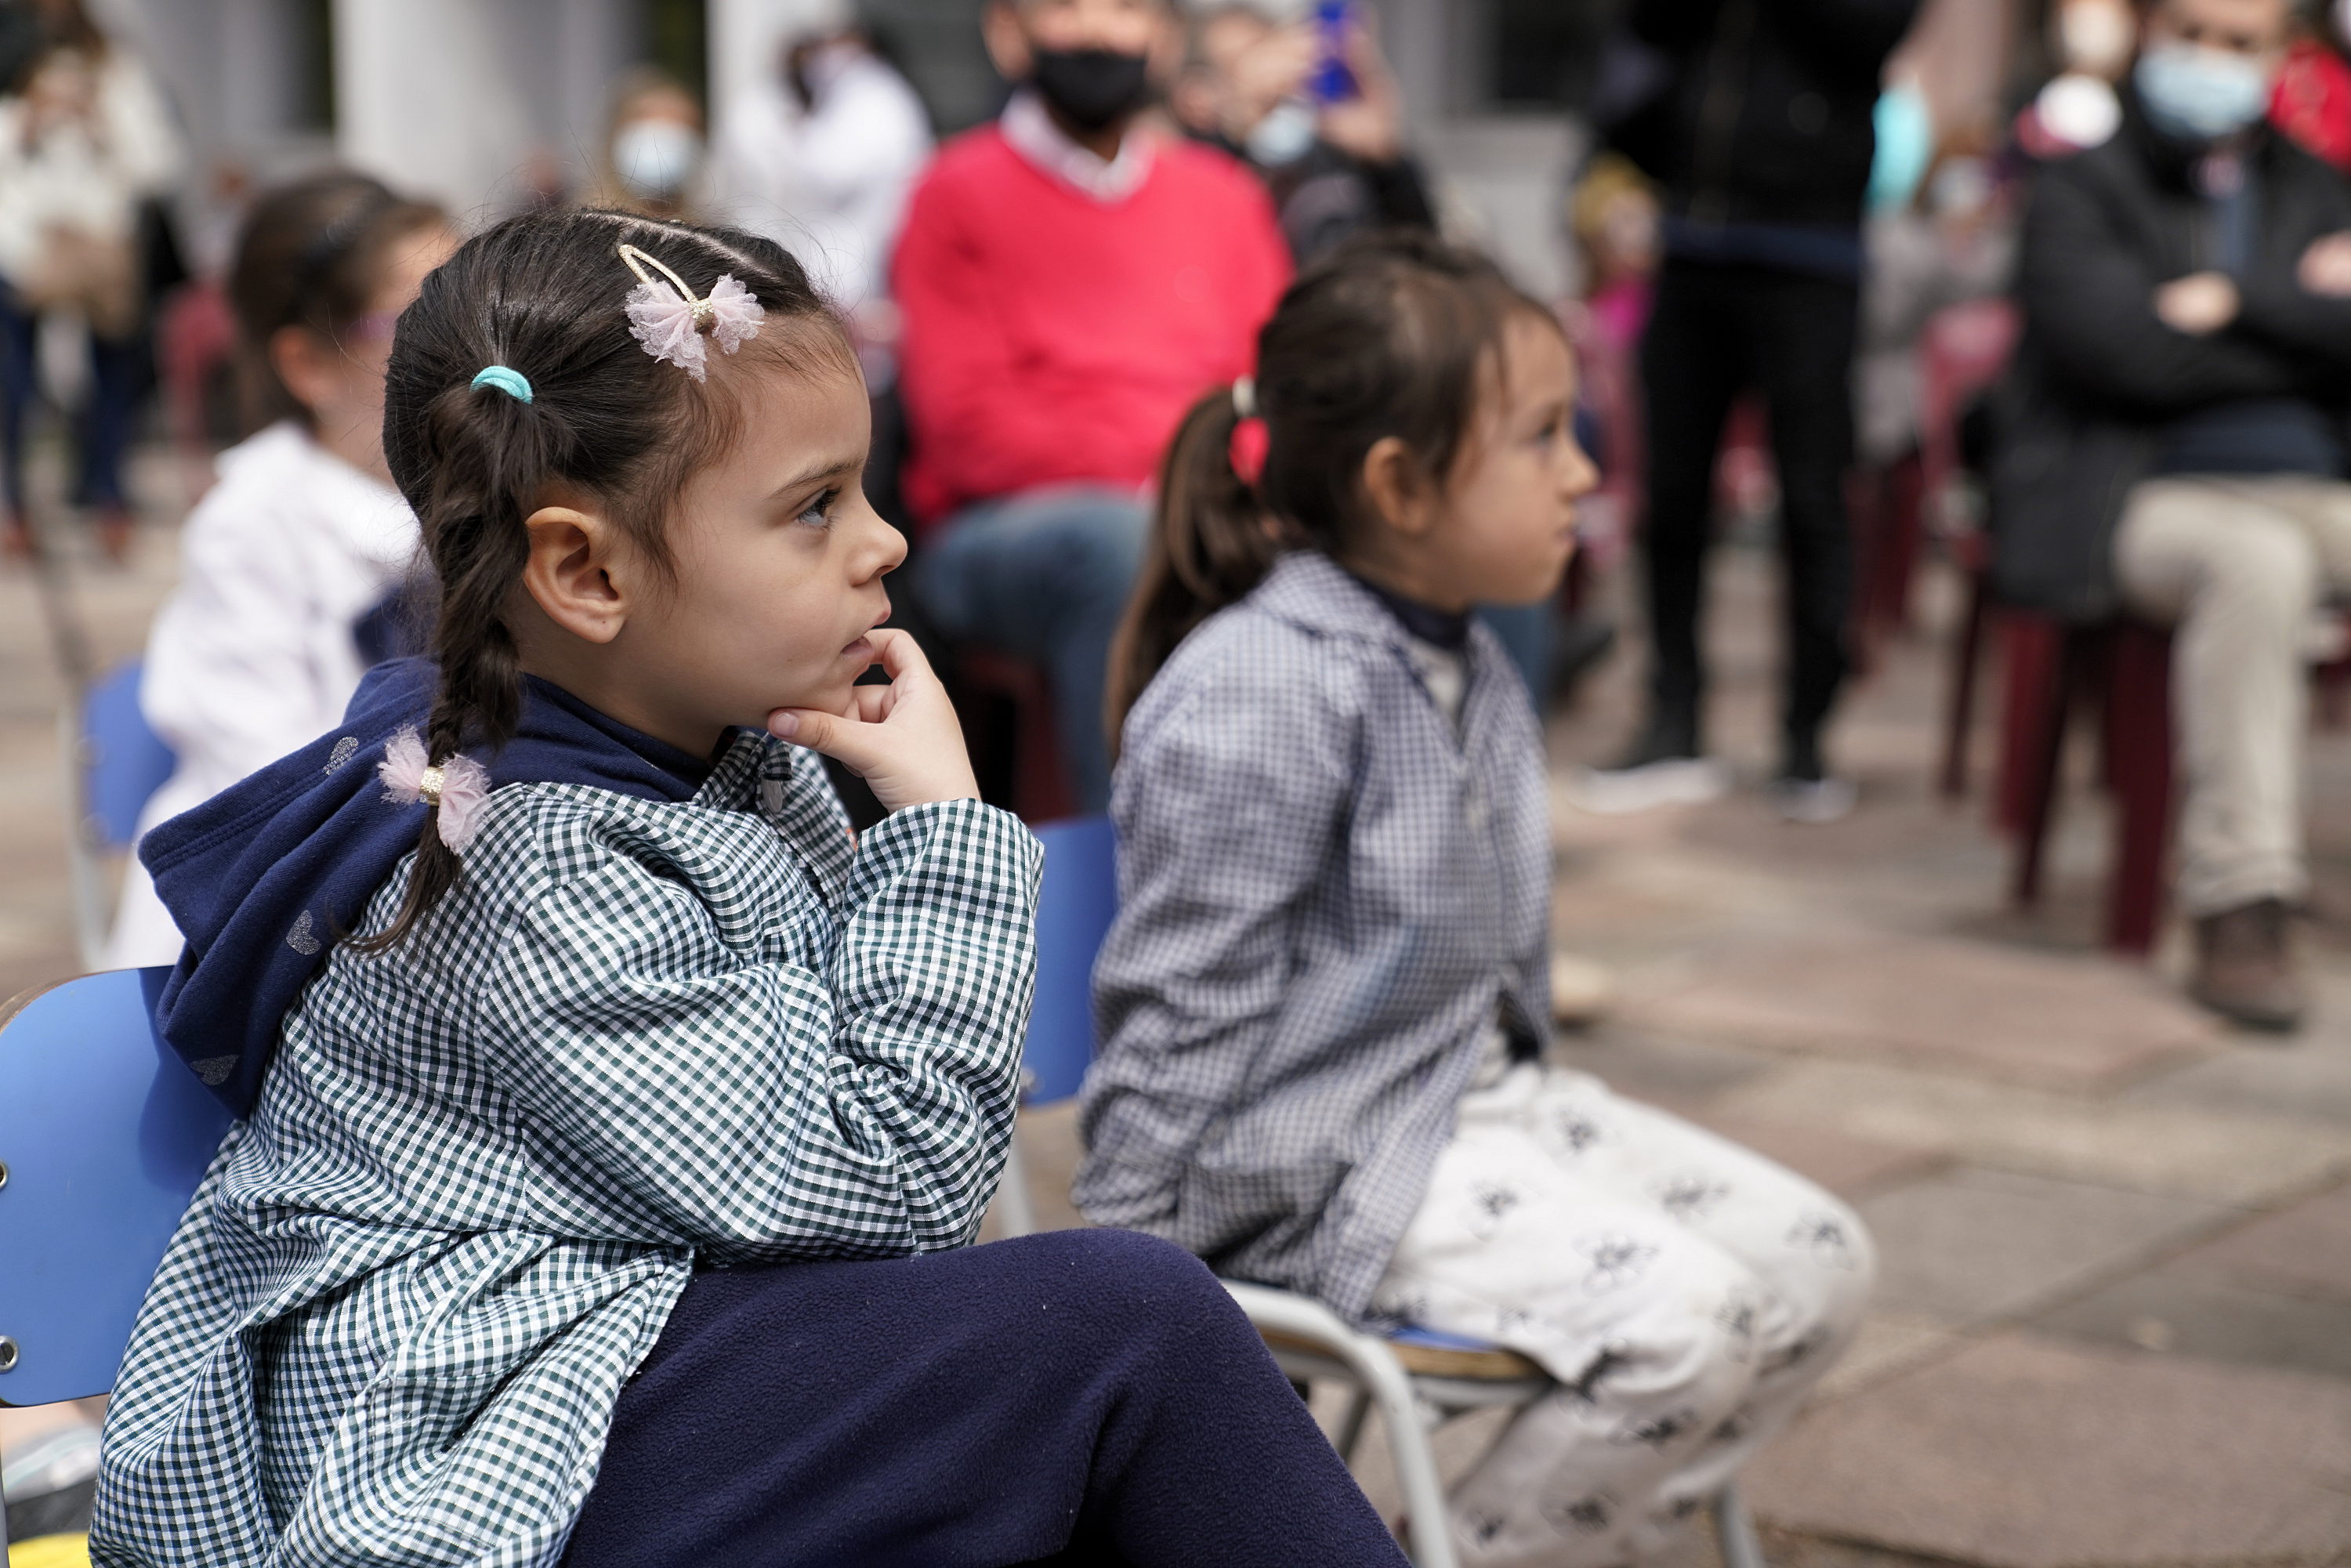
<point>452,98</point>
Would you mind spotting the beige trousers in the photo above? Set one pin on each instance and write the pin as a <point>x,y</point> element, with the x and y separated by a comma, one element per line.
<point>2240,566</point>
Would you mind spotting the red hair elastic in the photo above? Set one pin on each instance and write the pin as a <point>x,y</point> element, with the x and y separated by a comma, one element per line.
<point>1247,450</point>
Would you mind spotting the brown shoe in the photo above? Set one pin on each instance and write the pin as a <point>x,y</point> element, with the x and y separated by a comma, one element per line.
<point>2243,970</point>
<point>15,536</point>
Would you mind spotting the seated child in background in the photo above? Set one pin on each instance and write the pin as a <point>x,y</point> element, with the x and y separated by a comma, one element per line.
<point>613,1126</point>
<point>290,566</point>
<point>1323,1000</point>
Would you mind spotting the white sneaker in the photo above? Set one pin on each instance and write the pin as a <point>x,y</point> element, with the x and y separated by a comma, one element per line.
<point>1812,802</point>
<point>1675,781</point>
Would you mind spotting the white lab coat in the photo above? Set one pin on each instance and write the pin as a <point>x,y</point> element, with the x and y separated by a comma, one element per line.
<point>829,183</point>
<point>252,655</point>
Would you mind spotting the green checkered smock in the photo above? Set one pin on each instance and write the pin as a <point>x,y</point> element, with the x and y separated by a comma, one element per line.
<point>393,1323</point>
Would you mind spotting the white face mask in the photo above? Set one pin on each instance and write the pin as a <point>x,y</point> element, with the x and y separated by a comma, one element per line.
<point>655,158</point>
<point>2198,94</point>
<point>1283,136</point>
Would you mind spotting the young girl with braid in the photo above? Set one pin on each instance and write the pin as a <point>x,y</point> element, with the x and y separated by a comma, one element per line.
<point>1325,999</point>
<point>613,1125</point>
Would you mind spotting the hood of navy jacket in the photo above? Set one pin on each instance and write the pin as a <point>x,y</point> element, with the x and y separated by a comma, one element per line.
<point>261,877</point>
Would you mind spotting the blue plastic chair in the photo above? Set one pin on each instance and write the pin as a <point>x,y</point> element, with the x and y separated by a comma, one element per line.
<point>1074,904</point>
<point>1419,1379</point>
<point>1074,908</point>
<point>117,763</point>
<point>124,761</point>
<point>104,1133</point>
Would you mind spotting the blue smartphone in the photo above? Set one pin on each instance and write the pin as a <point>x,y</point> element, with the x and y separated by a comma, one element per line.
<point>1331,81</point>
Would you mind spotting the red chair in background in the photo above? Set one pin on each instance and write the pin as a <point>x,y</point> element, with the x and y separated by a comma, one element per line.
<point>195,334</point>
<point>1040,772</point>
<point>1961,352</point>
<point>2123,671</point>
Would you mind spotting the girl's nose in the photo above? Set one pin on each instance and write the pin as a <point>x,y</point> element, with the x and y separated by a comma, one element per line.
<point>889,545</point>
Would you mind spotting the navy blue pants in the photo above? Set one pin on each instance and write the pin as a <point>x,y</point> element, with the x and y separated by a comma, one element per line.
<point>119,374</point>
<point>1716,331</point>
<point>1084,1397</point>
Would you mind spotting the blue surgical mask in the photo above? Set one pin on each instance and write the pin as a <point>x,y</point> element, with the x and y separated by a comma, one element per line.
<point>1285,135</point>
<point>2196,94</point>
<point>655,158</point>
<point>1905,124</point>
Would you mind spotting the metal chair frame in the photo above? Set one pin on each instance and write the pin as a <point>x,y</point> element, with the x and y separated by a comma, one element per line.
<point>1311,1343</point>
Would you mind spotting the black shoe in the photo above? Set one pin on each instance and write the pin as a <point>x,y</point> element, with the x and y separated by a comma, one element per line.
<point>1583,641</point>
<point>1666,738</point>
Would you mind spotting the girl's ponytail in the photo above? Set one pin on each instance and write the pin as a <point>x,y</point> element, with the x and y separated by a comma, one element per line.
<point>1211,541</point>
<point>1386,337</point>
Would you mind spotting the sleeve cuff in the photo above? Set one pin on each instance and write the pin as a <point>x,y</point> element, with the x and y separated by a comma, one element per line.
<point>987,849</point>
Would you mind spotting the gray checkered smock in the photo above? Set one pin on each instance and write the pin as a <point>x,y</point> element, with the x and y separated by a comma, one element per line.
<point>392,1325</point>
<point>1324,891</point>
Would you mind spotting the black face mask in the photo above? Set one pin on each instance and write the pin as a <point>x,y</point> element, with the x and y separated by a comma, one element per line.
<point>1092,88</point>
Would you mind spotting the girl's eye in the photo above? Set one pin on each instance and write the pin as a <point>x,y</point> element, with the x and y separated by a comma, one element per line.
<point>819,512</point>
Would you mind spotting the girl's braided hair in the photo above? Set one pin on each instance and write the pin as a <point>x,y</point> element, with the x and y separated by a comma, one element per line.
<point>546,295</point>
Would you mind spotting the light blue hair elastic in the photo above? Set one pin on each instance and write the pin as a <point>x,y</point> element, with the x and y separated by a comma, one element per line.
<point>512,382</point>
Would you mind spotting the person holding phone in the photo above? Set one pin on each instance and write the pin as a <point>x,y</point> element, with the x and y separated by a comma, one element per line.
<point>1313,108</point>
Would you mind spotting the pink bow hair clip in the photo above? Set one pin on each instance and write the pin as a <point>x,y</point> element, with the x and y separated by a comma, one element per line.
<point>670,322</point>
<point>458,787</point>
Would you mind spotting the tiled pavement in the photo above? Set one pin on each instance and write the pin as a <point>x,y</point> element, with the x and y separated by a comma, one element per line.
<point>2115,1322</point>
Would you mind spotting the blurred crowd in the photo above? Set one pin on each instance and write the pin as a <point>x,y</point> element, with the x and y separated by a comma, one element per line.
<point>2084,347</point>
<point>2092,349</point>
<point>1806,298</point>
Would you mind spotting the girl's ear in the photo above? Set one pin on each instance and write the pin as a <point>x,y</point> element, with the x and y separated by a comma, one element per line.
<point>1007,46</point>
<point>574,573</point>
<point>308,365</point>
<point>1398,488</point>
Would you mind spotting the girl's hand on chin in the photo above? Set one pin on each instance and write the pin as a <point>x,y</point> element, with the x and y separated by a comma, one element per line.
<point>902,739</point>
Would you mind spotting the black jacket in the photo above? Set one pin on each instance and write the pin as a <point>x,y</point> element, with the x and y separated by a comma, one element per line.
<point>1765,116</point>
<point>2097,377</point>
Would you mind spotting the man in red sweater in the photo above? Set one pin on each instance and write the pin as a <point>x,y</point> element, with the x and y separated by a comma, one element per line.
<point>1070,282</point>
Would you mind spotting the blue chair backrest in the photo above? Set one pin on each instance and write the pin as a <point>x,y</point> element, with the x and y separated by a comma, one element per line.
<point>123,761</point>
<point>104,1133</point>
<point>1073,912</point>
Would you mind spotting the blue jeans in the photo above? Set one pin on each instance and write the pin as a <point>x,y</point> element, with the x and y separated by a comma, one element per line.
<point>1044,575</point>
<point>1526,633</point>
<point>104,425</point>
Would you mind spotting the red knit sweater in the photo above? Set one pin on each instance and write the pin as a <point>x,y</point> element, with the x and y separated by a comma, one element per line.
<point>1049,337</point>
